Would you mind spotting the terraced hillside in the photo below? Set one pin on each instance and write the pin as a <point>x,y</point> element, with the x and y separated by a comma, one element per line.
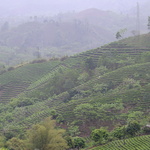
<point>112,49</point>
<point>33,75</point>
<point>103,87</point>
<point>137,143</point>
<point>18,80</point>
<point>136,99</point>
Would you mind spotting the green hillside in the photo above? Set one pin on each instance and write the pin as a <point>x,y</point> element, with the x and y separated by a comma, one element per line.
<point>137,143</point>
<point>17,80</point>
<point>102,87</point>
<point>138,41</point>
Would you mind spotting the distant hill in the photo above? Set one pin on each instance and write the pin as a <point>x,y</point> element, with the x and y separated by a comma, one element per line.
<point>102,18</point>
<point>64,34</point>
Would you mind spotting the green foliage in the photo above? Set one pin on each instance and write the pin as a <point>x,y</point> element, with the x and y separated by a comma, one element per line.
<point>59,118</point>
<point>89,64</point>
<point>130,83</point>
<point>109,111</point>
<point>3,148</point>
<point>78,142</point>
<point>145,57</point>
<point>135,115</point>
<point>132,128</point>
<point>100,135</point>
<point>62,81</point>
<point>83,77</point>
<point>21,102</point>
<point>73,131</point>
<point>100,88</point>
<point>69,142</point>
<point>44,136</point>
<point>85,112</point>
<point>100,70</point>
<point>2,141</point>
<point>146,129</point>
<point>116,90</point>
<point>119,132</point>
<point>16,144</point>
<point>140,143</point>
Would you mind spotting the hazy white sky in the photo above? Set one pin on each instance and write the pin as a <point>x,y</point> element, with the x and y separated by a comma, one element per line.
<point>14,7</point>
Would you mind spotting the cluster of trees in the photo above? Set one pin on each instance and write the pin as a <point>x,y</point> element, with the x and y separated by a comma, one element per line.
<point>88,112</point>
<point>102,135</point>
<point>43,136</point>
<point>46,135</point>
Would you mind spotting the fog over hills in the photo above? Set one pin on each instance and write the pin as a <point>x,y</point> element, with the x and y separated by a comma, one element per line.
<point>64,27</point>
<point>34,7</point>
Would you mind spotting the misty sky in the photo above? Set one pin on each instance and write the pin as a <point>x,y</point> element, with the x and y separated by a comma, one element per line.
<point>27,7</point>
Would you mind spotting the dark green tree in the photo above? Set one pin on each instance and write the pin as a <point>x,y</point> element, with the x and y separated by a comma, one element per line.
<point>85,112</point>
<point>100,135</point>
<point>132,128</point>
<point>89,64</point>
<point>118,35</point>
<point>69,141</point>
<point>119,132</point>
<point>79,142</point>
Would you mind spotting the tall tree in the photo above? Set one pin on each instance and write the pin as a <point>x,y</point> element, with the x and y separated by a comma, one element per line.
<point>44,136</point>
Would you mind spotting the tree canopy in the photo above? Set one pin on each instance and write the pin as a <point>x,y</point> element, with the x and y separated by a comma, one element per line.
<point>43,136</point>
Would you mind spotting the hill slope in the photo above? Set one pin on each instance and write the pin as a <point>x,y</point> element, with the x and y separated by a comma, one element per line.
<point>64,34</point>
<point>99,87</point>
<point>141,143</point>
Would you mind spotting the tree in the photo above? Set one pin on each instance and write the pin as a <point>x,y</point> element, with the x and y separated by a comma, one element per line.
<point>44,136</point>
<point>69,141</point>
<point>73,130</point>
<point>119,132</point>
<point>89,64</point>
<point>100,135</point>
<point>85,112</point>
<point>135,116</point>
<point>79,142</point>
<point>118,35</point>
<point>132,128</point>
<point>16,144</point>
<point>2,141</point>
<point>145,57</point>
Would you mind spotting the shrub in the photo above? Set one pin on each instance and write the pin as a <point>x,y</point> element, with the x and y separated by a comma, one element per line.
<point>100,135</point>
